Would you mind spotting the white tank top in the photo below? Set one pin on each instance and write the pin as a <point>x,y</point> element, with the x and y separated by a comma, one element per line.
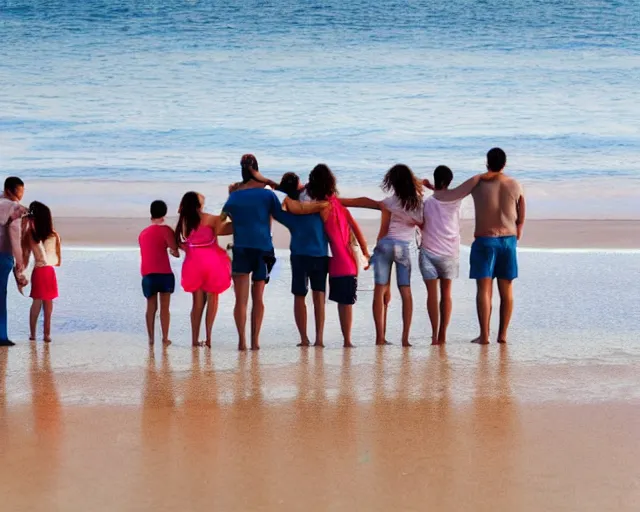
<point>45,253</point>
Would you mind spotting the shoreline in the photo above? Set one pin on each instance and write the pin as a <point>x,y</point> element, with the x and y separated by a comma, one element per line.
<point>99,232</point>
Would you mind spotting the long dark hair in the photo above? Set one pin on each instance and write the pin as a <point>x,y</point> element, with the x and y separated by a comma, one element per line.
<point>290,185</point>
<point>248,163</point>
<point>406,187</point>
<point>322,183</point>
<point>189,219</point>
<point>41,221</point>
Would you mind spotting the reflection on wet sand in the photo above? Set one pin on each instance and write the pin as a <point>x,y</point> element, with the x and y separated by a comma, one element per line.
<point>329,430</point>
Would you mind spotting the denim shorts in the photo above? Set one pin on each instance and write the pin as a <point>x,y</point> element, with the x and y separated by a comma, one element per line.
<point>494,258</point>
<point>308,269</point>
<point>153,284</point>
<point>434,266</point>
<point>387,252</point>
<point>256,262</point>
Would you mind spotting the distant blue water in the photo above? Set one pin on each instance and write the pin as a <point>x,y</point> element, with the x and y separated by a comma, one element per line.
<point>178,90</point>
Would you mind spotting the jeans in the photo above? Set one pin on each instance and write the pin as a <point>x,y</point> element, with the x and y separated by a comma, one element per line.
<point>387,252</point>
<point>6,266</point>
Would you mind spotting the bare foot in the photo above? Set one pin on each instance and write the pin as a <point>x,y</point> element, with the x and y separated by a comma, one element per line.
<point>349,345</point>
<point>435,341</point>
<point>502,341</point>
<point>196,344</point>
<point>242,347</point>
<point>319,344</point>
<point>304,343</point>
<point>208,343</point>
<point>32,338</point>
<point>480,341</point>
<point>406,344</point>
<point>47,339</point>
<point>383,342</point>
<point>442,341</point>
<point>166,343</point>
<point>255,347</point>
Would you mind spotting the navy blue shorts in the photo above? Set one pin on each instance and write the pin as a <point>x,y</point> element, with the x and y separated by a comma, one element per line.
<point>343,290</point>
<point>308,269</point>
<point>153,284</point>
<point>256,262</point>
<point>494,258</point>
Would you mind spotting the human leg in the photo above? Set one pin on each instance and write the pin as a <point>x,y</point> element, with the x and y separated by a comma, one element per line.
<point>506,308</point>
<point>257,312</point>
<point>34,313</point>
<point>407,313</point>
<point>241,290</point>
<point>379,310</point>
<point>197,309</point>
<point>212,311</point>
<point>318,309</point>
<point>165,317</point>
<point>345,312</point>
<point>446,306</point>
<point>47,306</point>
<point>150,317</point>
<point>483,305</point>
<point>300,314</point>
<point>433,309</point>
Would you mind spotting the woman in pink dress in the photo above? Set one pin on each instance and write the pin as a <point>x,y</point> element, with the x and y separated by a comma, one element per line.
<point>206,271</point>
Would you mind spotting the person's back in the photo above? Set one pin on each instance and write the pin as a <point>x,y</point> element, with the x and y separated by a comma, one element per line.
<point>496,206</point>
<point>154,243</point>
<point>45,253</point>
<point>251,210</point>
<point>441,228</point>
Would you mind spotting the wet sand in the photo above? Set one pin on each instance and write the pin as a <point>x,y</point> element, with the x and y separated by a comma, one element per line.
<point>365,429</point>
<point>576,234</point>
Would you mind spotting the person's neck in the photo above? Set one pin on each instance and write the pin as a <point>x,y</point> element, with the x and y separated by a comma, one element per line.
<point>157,222</point>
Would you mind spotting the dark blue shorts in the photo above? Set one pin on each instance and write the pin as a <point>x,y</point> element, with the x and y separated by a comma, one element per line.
<point>343,290</point>
<point>256,262</point>
<point>308,269</point>
<point>153,284</point>
<point>494,257</point>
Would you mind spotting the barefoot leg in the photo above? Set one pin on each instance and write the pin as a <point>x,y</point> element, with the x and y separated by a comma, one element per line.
<point>407,313</point>
<point>432,308</point>
<point>212,311</point>
<point>318,309</point>
<point>197,309</point>
<point>47,306</point>
<point>378,308</point>
<point>241,289</point>
<point>34,313</point>
<point>483,304</point>
<point>345,312</point>
<point>506,308</point>
<point>300,315</point>
<point>257,312</point>
<point>165,317</point>
<point>446,306</point>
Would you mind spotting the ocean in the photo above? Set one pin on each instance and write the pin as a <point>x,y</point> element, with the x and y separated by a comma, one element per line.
<point>177,90</point>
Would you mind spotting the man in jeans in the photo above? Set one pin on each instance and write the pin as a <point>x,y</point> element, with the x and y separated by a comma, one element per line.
<point>11,213</point>
<point>500,214</point>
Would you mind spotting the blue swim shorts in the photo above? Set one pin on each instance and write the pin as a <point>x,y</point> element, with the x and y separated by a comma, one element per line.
<point>494,257</point>
<point>308,269</point>
<point>153,284</point>
<point>256,262</point>
<point>387,252</point>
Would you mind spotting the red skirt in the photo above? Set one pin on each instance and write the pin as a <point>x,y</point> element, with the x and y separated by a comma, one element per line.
<point>44,284</point>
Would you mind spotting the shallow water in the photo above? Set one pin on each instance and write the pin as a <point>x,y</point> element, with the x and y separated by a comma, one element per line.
<point>575,318</point>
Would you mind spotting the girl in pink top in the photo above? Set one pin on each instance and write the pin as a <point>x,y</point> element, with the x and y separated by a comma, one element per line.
<point>206,271</point>
<point>158,281</point>
<point>341,228</point>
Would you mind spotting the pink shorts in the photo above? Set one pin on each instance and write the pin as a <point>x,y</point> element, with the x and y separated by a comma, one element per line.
<point>44,284</point>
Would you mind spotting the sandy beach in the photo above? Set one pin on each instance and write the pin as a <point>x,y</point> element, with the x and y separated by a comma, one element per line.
<point>314,430</point>
<point>564,234</point>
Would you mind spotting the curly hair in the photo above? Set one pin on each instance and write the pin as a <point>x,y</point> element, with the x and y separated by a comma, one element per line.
<point>322,183</point>
<point>405,186</point>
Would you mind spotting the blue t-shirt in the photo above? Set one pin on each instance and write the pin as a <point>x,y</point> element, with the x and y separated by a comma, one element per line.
<point>307,233</point>
<point>251,211</point>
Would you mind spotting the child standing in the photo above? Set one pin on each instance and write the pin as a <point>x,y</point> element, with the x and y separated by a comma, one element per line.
<point>206,271</point>
<point>41,239</point>
<point>343,264</point>
<point>157,278</point>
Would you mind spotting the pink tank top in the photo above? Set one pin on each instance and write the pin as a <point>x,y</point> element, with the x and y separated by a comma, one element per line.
<point>154,243</point>
<point>342,262</point>
<point>200,238</point>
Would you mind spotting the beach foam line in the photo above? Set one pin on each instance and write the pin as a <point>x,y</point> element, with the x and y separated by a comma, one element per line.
<point>466,248</point>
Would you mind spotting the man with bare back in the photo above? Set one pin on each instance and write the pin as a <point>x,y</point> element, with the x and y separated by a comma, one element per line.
<point>500,215</point>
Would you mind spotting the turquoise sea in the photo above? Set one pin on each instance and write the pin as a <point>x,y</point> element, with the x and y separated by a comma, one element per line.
<point>177,90</point>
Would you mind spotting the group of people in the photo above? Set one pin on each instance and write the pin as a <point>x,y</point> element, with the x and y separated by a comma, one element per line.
<point>327,242</point>
<point>25,232</point>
